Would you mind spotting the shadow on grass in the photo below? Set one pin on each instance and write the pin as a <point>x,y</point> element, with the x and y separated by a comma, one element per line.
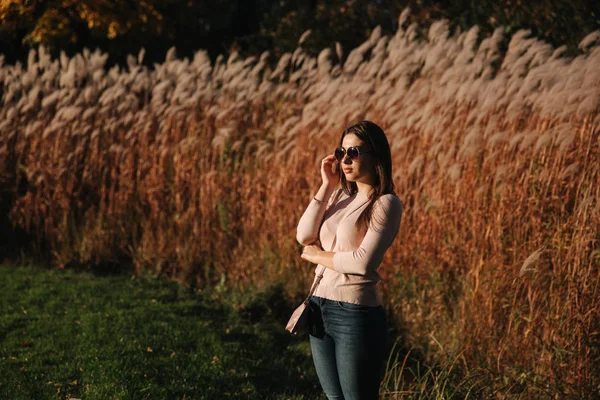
<point>285,355</point>
<point>275,375</point>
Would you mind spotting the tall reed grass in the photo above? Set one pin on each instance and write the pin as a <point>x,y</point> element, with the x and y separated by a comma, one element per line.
<point>201,172</point>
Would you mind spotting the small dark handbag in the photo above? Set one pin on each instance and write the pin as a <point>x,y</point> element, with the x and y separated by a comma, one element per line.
<point>299,322</point>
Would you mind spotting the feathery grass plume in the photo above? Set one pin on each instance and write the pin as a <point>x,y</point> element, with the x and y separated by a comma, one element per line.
<point>132,63</point>
<point>12,113</point>
<point>455,172</point>
<point>304,36</point>
<point>221,138</point>
<point>403,17</point>
<point>482,191</point>
<point>68,113</point>
<point>171,55</point>
<point>570,170</point>
<point>339,52</point>
<point>373,67</point>
<point>529,138</point>
<point>467,52</point>
<point>501,172</point>
<point>140,56</point>
<point>472,142</point>
<point>490,159</point>
<point>356,57</point>
<point>435,149</point>
<point>590,103</point>
<point>543,141</point>
<point>591,39</point>
<point>436,59</point>
<point>281,67</point>
<point>558,52</point>
<point>33,99</point>
<point>565,136</point>
<point>531,261</point>
<point>497,139</point>
<point>515,140</point>
<point>255,73</point>
<point>516,47</point>
<point>541,55</point>
<point>415,165</point>
<point>33,128</point>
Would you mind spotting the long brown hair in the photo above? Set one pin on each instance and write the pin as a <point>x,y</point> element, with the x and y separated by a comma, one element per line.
<point>374,138</point>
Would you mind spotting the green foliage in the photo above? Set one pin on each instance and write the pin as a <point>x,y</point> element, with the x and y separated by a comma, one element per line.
<point>122,27</point>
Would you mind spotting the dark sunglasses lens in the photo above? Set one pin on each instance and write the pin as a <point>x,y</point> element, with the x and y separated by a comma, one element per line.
<point>352,153</point>
<point>339,153</point>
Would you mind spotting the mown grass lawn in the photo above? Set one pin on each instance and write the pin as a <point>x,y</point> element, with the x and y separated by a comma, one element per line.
<point>68,334</point>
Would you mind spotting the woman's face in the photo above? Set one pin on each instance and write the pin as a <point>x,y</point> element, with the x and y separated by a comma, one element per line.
<point>361,169</point>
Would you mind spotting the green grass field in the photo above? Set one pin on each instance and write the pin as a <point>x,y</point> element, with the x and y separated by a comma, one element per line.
<point>67,334</point>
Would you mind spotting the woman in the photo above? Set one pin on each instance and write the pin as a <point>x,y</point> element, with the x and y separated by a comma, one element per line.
<point>357,222</point>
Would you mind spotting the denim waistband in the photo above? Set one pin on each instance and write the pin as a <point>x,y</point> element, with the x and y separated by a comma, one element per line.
<point>322,300</point>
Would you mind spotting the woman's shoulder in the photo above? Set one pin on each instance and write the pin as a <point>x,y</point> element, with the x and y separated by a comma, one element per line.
<point>389,201</point>
<point>390,198</point>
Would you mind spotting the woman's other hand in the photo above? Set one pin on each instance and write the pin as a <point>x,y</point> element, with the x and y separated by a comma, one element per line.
<point>330,171</point>
<point>310,252</point>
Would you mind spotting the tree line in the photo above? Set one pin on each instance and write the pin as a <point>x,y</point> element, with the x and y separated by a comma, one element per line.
<point>122,27</point>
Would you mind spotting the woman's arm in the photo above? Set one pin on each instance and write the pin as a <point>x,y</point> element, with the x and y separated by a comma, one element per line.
<point>367,257</point>
<point>307,231</point>
<point>317,255</point>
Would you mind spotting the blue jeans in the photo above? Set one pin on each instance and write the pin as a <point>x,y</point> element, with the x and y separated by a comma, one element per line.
<point>348,344</point>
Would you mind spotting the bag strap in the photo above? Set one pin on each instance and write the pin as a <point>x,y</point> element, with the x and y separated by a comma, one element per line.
<point>315,285</point>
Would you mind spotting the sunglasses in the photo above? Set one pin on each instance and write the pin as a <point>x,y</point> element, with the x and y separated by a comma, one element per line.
<point>352,151</point>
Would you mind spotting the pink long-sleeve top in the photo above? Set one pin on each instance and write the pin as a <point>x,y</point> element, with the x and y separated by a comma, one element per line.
<point>357,253</point>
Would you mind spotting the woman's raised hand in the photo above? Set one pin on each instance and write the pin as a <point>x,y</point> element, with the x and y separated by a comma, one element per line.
<point>330,171</point>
